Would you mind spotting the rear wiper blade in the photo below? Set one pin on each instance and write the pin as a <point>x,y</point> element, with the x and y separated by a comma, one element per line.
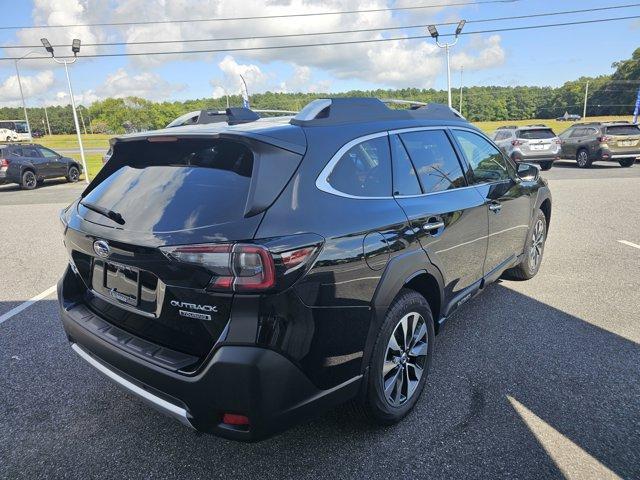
<point>115,216</point>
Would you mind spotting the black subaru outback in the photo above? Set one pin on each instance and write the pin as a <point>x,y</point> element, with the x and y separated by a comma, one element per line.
<point>241,277</point>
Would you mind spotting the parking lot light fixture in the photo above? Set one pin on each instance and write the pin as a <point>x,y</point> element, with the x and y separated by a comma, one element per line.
<point>75,48</point>
<point>433,31</point>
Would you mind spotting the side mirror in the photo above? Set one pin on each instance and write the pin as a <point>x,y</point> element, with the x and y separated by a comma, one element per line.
<point>528,172</point>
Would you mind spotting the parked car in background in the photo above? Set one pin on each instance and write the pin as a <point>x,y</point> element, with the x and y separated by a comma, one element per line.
<point>602,141</point>
<point>569,117</point>
<point>7,135</point>
<point>530,143</point>
<point>29,165</point>
<point>243,277</point>
<point>38,133</point>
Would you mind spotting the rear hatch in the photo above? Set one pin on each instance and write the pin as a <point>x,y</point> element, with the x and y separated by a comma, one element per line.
<point>623,139</point>
<point>537,141</point>
<point>165,192</point>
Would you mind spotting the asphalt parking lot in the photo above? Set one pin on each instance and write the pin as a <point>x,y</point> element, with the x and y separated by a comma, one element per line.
<point>531,379</point>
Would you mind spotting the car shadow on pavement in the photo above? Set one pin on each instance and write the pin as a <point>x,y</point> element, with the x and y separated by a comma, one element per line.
<point>13,187</point>
<point>58,414</point>
<point>594,166</point>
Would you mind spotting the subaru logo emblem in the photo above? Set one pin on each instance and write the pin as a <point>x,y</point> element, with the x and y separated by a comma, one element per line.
<point>101,247</point>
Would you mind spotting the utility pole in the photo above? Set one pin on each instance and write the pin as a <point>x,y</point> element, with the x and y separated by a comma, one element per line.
<point>24,105</point>
<point>586,93</point>
<point>460,109</point>
<point>46,115</point>
<point>84,127</point>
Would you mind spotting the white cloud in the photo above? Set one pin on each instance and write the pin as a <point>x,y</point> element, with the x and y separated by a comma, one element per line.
<point>148,85</point>
<point>404,63</point>
<point>486,53</point>
<point>31,86</point>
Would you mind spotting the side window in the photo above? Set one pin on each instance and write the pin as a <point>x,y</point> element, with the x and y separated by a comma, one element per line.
<point>30,152</point>
<point>578,132</point>
<point>364,170</point>
<point>405,180</point>
<point>487,163</point>
<point>435,160</point>
<point>16,151</point>
<point>46,153</point>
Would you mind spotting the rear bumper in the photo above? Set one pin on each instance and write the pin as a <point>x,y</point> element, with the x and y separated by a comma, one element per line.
<point>247,380</point>
<point>608,155</point>
<point>547,157</point>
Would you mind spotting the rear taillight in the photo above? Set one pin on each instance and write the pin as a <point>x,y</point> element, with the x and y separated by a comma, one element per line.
<point>604,139</point>
<point>557,141</point>
<point>241,267</point>
<point>4,163</point>
<point>516,143</point>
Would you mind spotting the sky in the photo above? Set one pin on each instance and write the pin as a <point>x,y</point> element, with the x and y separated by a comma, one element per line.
<point>545,57</point>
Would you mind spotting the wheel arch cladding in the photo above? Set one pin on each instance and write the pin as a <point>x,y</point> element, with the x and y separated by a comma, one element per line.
<point>427,286</point>
<point>545,206</point>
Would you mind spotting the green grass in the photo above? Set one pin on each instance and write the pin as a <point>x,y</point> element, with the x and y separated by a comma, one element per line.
<point>69,142</point>
<point>94,162</point>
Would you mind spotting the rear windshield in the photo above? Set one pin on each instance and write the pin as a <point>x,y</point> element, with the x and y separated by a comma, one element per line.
<point>178,185</point>
<point>623,130</point>
<point>536,134</point>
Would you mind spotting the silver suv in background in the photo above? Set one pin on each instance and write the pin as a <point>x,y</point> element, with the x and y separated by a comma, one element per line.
<point>530,143</point>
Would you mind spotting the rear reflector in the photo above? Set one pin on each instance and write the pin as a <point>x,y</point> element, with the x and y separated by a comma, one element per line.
<point>235,420</point>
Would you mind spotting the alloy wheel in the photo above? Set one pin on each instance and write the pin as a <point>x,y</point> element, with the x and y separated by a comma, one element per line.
<point>73,174</point>
<point>30,180</point>
<point>405,359</point>
<point>537,244</point>
<point>582,158</point>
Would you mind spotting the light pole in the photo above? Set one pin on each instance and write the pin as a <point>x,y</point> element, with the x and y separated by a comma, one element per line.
<point>460,109</point>
<point>24,105</point>
<point>433,31</point>
<point>75,48</point>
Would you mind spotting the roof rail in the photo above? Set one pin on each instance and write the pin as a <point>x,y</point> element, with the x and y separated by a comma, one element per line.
<point>507,127</point>
<point>537,125</point>
<point>328,111</point>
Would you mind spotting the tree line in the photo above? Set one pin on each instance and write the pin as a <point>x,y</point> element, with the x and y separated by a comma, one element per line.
<point>613,94</point>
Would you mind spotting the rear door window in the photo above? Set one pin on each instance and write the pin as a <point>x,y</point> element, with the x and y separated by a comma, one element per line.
<point>623,130</point>
<point>180,185</point>
<point>364,170</point>
<point>434,159</point>
<point>405,179</point>
<point>536,134</point>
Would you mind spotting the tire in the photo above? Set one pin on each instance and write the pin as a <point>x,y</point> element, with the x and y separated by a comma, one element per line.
<point>73,175</point>
<point>8,139</point>
<point>28,180</point>
<point>546,165</point>
<point>582,158</point>
<point>533,251</point>
<point>406,366</point>
<point>627,162</point>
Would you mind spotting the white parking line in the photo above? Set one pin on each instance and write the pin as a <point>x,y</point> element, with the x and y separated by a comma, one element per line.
<point>624,242</point>
<point>27,304</point>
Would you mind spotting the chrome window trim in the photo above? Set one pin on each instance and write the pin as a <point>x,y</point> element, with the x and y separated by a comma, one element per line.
<point>322,179</point>
<point>322,182</point>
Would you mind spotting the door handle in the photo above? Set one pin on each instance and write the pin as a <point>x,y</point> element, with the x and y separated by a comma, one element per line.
<point>432,226</point>
<point>495,207</point>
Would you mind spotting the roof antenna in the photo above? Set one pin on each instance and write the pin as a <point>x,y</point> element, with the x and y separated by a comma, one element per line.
<point>245,93</point>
